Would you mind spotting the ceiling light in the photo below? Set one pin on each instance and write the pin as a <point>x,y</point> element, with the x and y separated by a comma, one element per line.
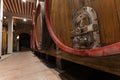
<point>5,17</point>
<point>18,37</point>
<point>24,0</point>
<point>24,20</point>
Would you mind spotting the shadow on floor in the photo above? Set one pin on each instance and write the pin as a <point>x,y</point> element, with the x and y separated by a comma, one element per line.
<point>78,72</point>
<point>73,71</point>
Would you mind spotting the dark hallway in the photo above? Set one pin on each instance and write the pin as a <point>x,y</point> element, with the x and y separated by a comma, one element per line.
<point>24,41</point>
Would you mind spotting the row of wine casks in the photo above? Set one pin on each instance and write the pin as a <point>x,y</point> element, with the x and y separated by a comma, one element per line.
<point>82,27</point>
<point>41,39</point>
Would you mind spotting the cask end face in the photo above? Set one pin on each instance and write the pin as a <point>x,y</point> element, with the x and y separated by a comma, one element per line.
<point>85,29</point>
<point>61,17</point>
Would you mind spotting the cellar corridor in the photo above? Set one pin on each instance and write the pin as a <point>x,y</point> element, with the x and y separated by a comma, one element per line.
<point>59,40</point>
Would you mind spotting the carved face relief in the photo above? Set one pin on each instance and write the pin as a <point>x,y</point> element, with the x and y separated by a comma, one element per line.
<point>85,31</point>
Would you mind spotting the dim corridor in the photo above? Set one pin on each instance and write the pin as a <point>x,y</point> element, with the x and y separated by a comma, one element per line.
<point>25,66</point>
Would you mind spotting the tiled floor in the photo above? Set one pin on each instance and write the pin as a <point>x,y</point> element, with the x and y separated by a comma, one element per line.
<point>25,66</point>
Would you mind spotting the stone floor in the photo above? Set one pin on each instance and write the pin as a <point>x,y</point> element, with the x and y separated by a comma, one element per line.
<point>25,66</point>
<point>3,57</point>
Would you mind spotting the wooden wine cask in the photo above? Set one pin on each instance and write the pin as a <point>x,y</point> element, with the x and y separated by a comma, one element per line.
<point>108,16</point>
<point>37,28</point>
<point>38,24</point>
<point>42,34</point>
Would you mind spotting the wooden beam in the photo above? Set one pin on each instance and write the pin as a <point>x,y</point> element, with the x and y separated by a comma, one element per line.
<point>15,17</point>
<point>9,3</point>
<point>17,6</point>
<point>18,15</point>
<point>13,6</point>
<point>20,6</point>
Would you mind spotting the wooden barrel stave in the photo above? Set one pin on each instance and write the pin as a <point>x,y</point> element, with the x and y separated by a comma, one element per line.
<point>42,33</point>
<point>108,21</point>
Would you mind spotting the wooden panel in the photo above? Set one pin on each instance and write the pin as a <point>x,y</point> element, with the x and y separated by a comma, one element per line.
<point>108,20</point>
